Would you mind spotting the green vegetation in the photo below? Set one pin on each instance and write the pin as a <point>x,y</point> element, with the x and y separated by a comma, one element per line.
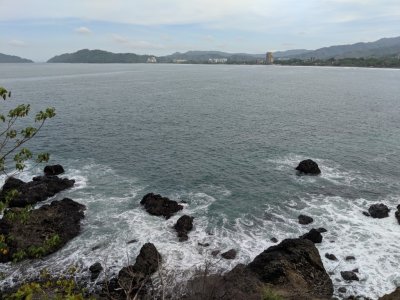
<point>268,294</point>
<point>384,62</point>
<point>98,56</point>
<point>48,246</point>
<point>21,215</point>
<point>4,58</point>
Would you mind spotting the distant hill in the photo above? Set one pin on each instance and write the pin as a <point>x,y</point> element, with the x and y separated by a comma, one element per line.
<point>4,58</point>
<point>98,56</point>
<point>381,48</point>
<point>204,56</point>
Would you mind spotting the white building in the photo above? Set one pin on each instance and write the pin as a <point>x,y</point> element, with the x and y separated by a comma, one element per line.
<point>152,60</point>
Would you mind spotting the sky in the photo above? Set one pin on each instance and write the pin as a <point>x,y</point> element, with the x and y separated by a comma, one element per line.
<point>40,29</point>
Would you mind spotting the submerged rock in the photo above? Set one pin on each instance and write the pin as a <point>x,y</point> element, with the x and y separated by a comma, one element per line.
<point>274,240</point>
<point>397,214</point>
<point>330,256</point>
<point>349,276</point>
<point>295,266</point>
<point>379,211</point>
<point>183,226</point>
<point>39,232</point>
<point>308,166</point>
<point>39,189</point>
<point>133,277</point>
<point>160,206</point>
<point>350,257</point>
<point>231,254</point>
<point>95,271</point>
<point>305,220</point>
<point>53,170</point>
<point>313,235</point>
<point>322,230</point>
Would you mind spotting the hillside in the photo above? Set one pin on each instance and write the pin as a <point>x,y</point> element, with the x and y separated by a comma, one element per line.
<point>4,58</point>
<point>98,56</point>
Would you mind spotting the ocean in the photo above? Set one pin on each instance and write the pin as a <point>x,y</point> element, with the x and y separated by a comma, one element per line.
<point>226,140</point>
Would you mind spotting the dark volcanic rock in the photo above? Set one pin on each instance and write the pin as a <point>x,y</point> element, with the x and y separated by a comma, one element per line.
<point>304,220</point>
<point>53,170</point>
<point>131,278</point>
<point>160,206</point>
<point>274,240</point>
<point>203,244</point>
<point>342,290</point>
<point>393,296</point>
<point>39,189</point>
<point>397,214</point>
<point>322,230</point>
<point>308,166</point>
<point>379,211</point>
<point>95,271</point>
<point>330,256</point>
<point>349,275</point>
<point>313,235</point>
<point>366,214</point>
<point>39,232</point>
<point>231,254</point>
<point>294,265</point>
<point>183,226</point>
<point>350,257</point>
<point>215,252</point>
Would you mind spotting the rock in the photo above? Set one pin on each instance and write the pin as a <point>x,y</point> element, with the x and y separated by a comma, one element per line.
<point>215,252</point>
<point>355,270</point>
<point>350,257</point>
<point>133,277</point>
<point>231,254</point>
<point>160,206</point>
<point>304,220</point>
<point>203,244</point>
<point>308,166</point>
<point>53,170</point>
<point>183,226</point>
<point>131,241</point>
<point>95,271</point>
<point>294,265</point>
<point>392,296</point>
<point>330,256</point>
<point>366,214</point>
<point>379,211</point>
<point>342,290</point>
<point>39,189</point>
<point>322,230</point>
<point>313,235</point>
<point>349,276</point>
<point>39,232</point>
<point>397,214</point>
<point>274,240</point>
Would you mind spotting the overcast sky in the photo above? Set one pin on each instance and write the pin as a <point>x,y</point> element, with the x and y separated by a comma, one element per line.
<point>41,29</point>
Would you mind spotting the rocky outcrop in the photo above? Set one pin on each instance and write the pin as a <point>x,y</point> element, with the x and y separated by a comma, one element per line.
<point>313,235</point>
<point>39,232</point>
<point>305,220</point>
<point>392,296</point>
<point>160,206</point>
<point>397,214</point>
<point>230,254</point>
<point>183,226</point>
<point>133,277</point>
<point>295,266</point>
<point>309,167</point>
<point>349,276</point>
<point>39,189</point>
<point>53,170</point>
<point>379,211</point>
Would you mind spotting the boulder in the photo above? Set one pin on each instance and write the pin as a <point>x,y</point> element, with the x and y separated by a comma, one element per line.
<point>274,240</point>
<point>295,266</point>
<point>397,214</point>
<point>39,232</point>
<point>350,257</point>
<point>183,226</point>
<point>392,296</point>
<point>313,235</point>
<point>304,220</point>
<point>330,256</point>
<point>349,276</point>
<point>95,271</point>
<point>39,189</point>
<point>53,170</point>
<point>379,211</point>
<point>133,277</point>
<point>342,290</point>
<point>322,230</point>
<point>231,254</point>
<point>203,244</point>
<point>160,206</point>
<point>308,166</point>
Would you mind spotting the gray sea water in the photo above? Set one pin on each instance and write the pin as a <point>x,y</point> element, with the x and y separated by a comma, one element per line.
<point>226,139</point>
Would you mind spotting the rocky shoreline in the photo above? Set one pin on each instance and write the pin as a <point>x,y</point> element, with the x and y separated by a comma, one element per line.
<point>291,269</point>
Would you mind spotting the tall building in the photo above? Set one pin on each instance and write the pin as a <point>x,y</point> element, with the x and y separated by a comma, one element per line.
<point>269,58</point>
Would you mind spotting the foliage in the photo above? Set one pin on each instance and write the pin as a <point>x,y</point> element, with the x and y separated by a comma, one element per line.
<point>38,251</point>
<point>21,215</point>
<point>269,294</point>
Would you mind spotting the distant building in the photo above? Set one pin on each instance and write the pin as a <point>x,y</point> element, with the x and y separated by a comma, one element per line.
<point>269,58</point>
<point>217,60</point>
<point>152,60</point>
<point>179,61</point>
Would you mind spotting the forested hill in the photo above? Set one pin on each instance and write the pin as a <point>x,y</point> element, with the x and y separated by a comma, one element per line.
<point>4,58</point>
<point>98,56</point>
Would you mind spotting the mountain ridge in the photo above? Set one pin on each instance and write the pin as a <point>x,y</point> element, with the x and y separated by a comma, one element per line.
<point>5,58</point>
